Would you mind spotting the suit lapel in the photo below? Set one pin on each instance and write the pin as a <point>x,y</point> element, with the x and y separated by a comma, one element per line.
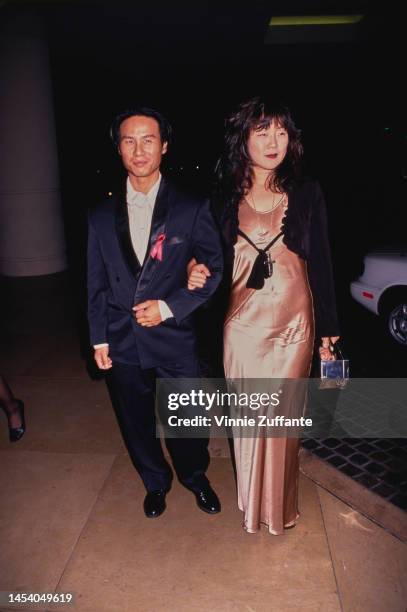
<point>158,224</point>
<point>123,233</point>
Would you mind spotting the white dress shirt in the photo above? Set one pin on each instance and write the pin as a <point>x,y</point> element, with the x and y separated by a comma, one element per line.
<point>140,208</point>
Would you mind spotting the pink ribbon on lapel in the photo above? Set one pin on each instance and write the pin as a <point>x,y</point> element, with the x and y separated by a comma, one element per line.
<point>157,249</point>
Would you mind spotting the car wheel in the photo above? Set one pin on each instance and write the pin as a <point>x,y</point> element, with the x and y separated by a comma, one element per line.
<point>397,321</point>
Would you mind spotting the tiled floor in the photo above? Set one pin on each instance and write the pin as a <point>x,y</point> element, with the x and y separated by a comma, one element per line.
<point>72,520</point>
<point>378,464</point>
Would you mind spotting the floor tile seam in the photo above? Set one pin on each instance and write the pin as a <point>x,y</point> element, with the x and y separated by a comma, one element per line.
<point>357,509</point>
<point>365,492</point>
<point>338,590</point>
<point>309,592</point>
<point>85,523</point>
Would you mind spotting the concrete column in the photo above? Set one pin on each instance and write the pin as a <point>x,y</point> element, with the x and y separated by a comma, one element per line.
<point>32,239</point>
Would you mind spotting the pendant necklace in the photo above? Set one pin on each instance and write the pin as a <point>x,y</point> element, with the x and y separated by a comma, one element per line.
<point>262,232</point>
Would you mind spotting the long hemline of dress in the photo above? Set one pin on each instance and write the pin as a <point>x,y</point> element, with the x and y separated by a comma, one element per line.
<point>268,334</point>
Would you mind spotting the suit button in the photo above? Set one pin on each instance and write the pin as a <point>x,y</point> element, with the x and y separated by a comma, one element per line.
<point>118,279</point>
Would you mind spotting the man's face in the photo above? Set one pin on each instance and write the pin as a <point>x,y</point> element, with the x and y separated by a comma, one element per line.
<point>140,146</point>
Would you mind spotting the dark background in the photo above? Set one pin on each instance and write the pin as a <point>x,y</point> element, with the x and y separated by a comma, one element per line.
<point>195,61</point>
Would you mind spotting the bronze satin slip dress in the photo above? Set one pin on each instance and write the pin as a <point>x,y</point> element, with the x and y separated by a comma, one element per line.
<point>268,333</point>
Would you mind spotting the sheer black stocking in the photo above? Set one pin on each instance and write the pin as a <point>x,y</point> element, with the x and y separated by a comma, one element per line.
<point>10,404</point>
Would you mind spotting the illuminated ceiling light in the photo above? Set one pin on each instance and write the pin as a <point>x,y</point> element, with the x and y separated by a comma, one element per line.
<point>314,20</point>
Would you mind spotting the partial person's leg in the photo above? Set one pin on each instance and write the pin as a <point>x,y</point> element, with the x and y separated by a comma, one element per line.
<point>132,394</point>
<point>11,406</point>
<point>190,456</point>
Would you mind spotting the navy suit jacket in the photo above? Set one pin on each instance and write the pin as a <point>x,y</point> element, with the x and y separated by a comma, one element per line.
<point>117,280</point>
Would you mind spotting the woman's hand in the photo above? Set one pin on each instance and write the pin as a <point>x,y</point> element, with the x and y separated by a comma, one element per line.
<point>197,275</point>
<point>324,350</point>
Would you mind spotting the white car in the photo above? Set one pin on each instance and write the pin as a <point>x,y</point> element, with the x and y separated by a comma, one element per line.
<point>382,288</point>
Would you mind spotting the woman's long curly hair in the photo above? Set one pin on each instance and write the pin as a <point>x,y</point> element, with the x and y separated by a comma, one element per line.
<point>234,171</point>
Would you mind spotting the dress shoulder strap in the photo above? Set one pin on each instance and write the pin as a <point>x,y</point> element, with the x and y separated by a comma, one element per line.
<point>266,248</point>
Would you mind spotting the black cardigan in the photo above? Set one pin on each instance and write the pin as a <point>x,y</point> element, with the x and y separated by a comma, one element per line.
<point>305,232</point>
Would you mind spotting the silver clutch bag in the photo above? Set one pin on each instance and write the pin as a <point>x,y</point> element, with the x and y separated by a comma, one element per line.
<point>334,373</point>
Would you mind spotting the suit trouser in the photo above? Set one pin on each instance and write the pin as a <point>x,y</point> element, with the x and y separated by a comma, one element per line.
<point>132,392</point>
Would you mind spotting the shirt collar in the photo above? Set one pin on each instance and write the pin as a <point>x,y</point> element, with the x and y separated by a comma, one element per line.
<point>139,198</point>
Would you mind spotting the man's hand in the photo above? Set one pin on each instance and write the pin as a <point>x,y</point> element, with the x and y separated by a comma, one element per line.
<point>147,313</point>
<point>324,350</point>
<point>197,275</point>
<point>102,358</point>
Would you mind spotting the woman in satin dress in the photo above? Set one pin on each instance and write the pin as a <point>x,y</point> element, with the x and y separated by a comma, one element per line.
<point>279,287</point>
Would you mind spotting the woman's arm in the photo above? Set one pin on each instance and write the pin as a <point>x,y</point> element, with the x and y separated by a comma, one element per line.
<point>320,273</point>
<point>197,274</point>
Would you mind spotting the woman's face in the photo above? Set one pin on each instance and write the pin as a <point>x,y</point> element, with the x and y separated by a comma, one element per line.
<point>267,146</point>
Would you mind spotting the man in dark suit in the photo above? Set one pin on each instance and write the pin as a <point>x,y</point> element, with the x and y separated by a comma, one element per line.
<point>139,306</point>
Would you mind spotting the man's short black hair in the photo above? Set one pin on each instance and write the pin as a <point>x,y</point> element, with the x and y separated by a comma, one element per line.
<point>141,111</point>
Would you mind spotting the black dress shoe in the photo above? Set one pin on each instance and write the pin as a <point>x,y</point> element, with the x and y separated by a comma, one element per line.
<point>207,500</point>
<point>154,503</point>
